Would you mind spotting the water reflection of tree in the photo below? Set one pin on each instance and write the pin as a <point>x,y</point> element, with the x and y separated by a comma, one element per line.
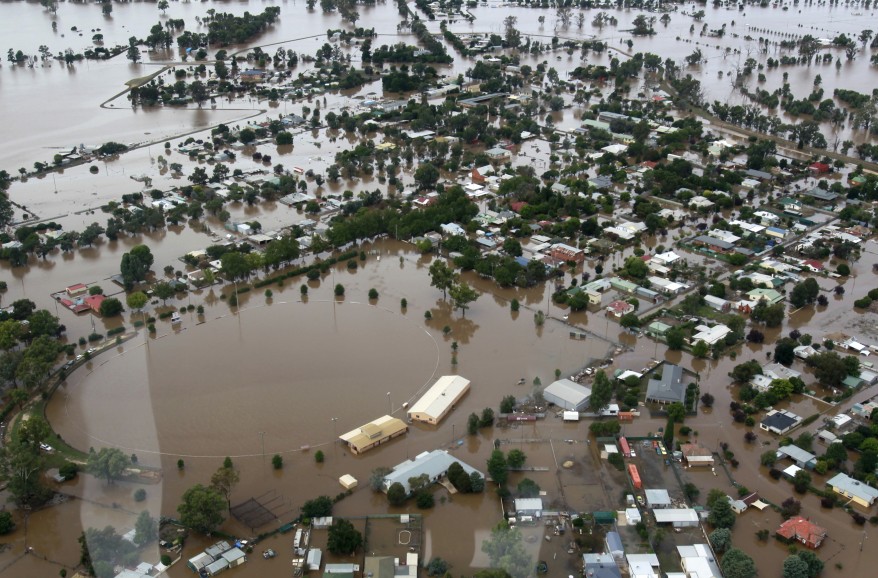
<point>462,329</point>
<point>505,549</point>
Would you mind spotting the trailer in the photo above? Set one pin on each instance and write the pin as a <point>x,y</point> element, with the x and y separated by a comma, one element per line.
<point>626,449</point>
<point>635,476</point>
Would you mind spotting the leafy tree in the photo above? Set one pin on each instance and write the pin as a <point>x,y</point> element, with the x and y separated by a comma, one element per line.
<point>108,463</point>
<point>487,419</point>
<point>744,372</point>
<point>804,293</point>
<point>164,291</point>
<point>802,481</point>
<point>768,458</point>
<point>601,392</point>
<point>477,483</point>
<point>459,478</point>
<point>721,539</point>
<point>426,175</point>
<point>700,349</point>
<point>505,550</point>
<point>277,462</point>
<point>7,524</point>
<point>707,400</point>
<point>676,412</point>
<point>396,494</point>
<point>343,538</point>
<point>201,508</point>
<point>784,351</point>
<point>135,265</point>
<point>737,564</point>
<point>498,468</point>
<point>472,424</point>
<point>317,507</point>
<point>146,529</point>
<point>721,514</point>
<point>507,404</point>
<point>829,368</point>
<point>527,488</point>
<point>675,338</point>
<point>795,567</point>
<point>437,567</point>
<point>21,464</point>
<point>815,564</point>
<point>110,307</point>
<point>376,478</point>
<point>515,458</point>
<point>224,481</point>
<point>137,300</point>
<point>442,277</point>
<point>462,295</point>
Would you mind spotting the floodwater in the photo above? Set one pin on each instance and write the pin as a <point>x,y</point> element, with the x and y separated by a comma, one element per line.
<point>269,378</point>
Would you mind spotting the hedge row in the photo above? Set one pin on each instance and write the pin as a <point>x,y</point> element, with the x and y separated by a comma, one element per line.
<point>323,265</point>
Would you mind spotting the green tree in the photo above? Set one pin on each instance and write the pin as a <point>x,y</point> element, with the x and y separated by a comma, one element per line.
<point>426,175</point>
<point>201,509</point>
<point>505,550</point>
<point>224,481</point>
<point>462,295</point>
<point>802,481</point>
<point>721,539</point>
<point>7,524</point>
<point>507,404</point>
<point>498,468</point>
<point>111,307</point>
<point>442,277</point>
<point>317,507</point>
<point>137,300</point>
<point>164,291</point>
<point>146,529</point>
<point>795,567</point>
<point>515,458</point>
<point>815,564</point>
<point>675,338</point>
<point>135,265</point>
<point>768,458</point>
<point>396,494</point>
<point>343,538</point>
<point>804,293</point>
<point>437,567</point>
<point>737,564</point>
<point>108,463</point>
<point>21,466</point>
<point>277,462</point>
<point>721,514</point>
<point>601,392</point>
<point>527,488</point>
<point>472,424</point>
<point>677,412</point>
<point>700,349</point>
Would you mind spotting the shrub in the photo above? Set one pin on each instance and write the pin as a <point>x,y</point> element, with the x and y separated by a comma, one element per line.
<point>140,495</point>
<point>166,560</point>
<point>7,524</point>
<point>180,464</point>
<point>425,500</point>
<point>339,290</point>
<point>827,503</point>
<point>68,471</point>
<point>373,294</point>
<point>318,457</point>
<point>277,462</point>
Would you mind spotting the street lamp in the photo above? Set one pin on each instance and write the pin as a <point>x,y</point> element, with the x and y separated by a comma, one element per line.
<point>262,437</point>
<point>389,403</point>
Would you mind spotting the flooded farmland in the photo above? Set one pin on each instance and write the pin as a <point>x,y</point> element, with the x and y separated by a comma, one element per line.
<point>285,374</point>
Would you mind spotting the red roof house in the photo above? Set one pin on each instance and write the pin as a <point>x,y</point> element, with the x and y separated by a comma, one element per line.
<point>802,530</point>
<point>77,289</point>
<point>818,168</point>
<point>619,308</point>
<point>94,302</point>
<point>813,265</point>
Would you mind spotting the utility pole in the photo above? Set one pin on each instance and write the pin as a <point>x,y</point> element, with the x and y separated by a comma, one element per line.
<point>262,437</point>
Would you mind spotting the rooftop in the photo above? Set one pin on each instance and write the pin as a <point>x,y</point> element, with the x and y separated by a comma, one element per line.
<point>669,388</point>
<point>436,401</point>
<point>843,483</point>
<point>434,464</point>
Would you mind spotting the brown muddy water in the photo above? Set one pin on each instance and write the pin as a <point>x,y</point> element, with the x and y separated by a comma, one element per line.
<point>286,368</point>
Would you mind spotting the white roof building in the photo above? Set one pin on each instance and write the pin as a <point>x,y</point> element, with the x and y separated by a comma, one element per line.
<point>568,395</point>
<point>529,506</point>
<point>678,517</point>
<point>698,561</point>
<point>710,335</point>
<point>435,404</point>
<point>434,464</point>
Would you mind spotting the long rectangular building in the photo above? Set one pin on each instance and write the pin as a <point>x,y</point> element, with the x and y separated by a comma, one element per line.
<point>439,399</point>
<point>374,434</point>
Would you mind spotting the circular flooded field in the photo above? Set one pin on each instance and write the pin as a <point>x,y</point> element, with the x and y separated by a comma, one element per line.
<point>299,372</point>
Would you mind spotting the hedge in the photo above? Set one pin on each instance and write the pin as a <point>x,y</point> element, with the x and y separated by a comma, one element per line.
<point>323,265</point>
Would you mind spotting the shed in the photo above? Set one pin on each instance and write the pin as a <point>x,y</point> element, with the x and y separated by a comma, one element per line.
<point>677,517</point>
<point>435,404</point>
<point>567,394</point>
<point>800,457</point>
<point>529,507</point>
<point>600,566</point>
<point>216,567</point>
<point>658,498</point>
<point>613,543</point>
<point>202,560</point>
<point>235,557</point>
<point>314,558</point>
<point>348,482</point>
<point>633,516</point>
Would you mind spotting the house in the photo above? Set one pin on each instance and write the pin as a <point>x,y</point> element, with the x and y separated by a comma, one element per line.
<point>779,421</point>
<point>713,244</point>
<point>698,561</point>
<point>374,434</point>
<point>563,253</point>
<point>613,544</point>
<point>497,154</point>
<point>433,464</point>
<point>857,491</point>
<point>669,388</point>
<point>479,174</point>
<point>760,175</point>
<point>769,295</point>
<point>817,169</point>
<point>379,567</point>
<point>717,303</point>
<point>710,335</point>
<point>568,395</point>
<point>822,195</point>
<point>776,232</point>
<point>800,457</point>
<point>659,498</point>
<point>813,265</point>
<point>618,308</point>
<point>676,517</point>
<point>802,530</point>
<point>696,455</point>
<point>94,302</point>
<point>643,566</point>
<point>76,290</point>
<point>251,75</point>
<point>699,202</point>
<point>804,351</point>
<point>435,404</point>
<point>777,371</point>
<point>600,566</point>
<point>529,507</point>
<point>668,258</point>
<point>453,229</point>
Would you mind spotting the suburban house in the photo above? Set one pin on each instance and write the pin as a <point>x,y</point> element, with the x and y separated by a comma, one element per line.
<point>823,195</point>
<point>568,395</point>
<point>76,290</point>
<point>769,295</point>
<point>696,455</point>
<point>563,253</point>
<point>600,566</point>
<point>779,421</point>
<point>453,229</point>
<point>659,498</point>
<point>669,388</point>
<point>713,244</point>
<point>94,302</point>
<point>856,490</point>
<point>619,308</point>
<point>374,434</point>
<point>676,517</point>
<point>802,530</point>
<point>497,154</point>
<point>432,464</point>
<point>818,169</point>
<point>698,561</point>
<point>799,456</point>
<point>435,404</point>
<point>710,335</point>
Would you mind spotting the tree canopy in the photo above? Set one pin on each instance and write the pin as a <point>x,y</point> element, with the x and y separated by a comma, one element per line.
<point>201,508</point>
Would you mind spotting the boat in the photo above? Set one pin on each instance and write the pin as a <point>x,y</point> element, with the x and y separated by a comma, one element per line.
<point>267,554</point>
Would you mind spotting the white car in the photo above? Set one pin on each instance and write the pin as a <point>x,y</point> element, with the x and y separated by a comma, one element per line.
<point>46,448</point>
